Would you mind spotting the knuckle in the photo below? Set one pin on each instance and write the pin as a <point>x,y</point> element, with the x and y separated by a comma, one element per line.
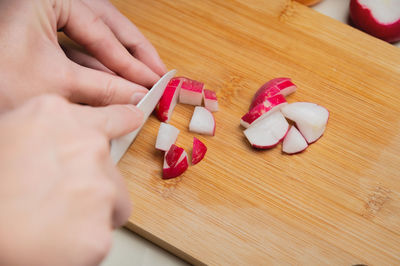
<point>99,145</point>
<point>108,93</point>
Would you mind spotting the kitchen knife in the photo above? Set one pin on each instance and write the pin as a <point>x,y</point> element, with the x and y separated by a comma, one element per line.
<point>120,145</point>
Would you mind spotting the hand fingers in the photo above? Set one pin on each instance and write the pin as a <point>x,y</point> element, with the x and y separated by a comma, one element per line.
<point>113,121</point>
<point>128,34</point>
<point>87,29</point>
<point>98,88</point>
<point>84,59</point>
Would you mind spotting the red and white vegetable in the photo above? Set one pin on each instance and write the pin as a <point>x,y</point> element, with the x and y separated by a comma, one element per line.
<point>380,18</point>
<point>268,132</point>
<point>311,119</point>
<point>262,110</point>
<point>199,151</point>
<point>294,142</point>
<point>210,100</point>
<point>191,92</point>
<point>283,86</point>
<point>168,100</point>
<point>202,121</point>
<point>175,162</point>
<point>167,135</point>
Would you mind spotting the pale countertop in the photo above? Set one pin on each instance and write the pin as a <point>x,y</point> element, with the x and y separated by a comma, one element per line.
<point>130,249</point>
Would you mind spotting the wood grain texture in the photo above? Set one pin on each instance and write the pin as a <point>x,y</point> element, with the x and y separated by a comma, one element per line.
<point>337,203</point>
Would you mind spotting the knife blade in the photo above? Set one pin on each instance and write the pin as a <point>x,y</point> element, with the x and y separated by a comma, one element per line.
<point>120,145</point>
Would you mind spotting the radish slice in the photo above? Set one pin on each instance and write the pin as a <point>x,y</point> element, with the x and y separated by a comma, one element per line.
<point>168,100</point>
<point>380,18</point>
<point>268,132</point>
<point>198,152</point>
<point>167,135</point>
<point>310,119</point>
<point>210,100</point>
<point>191,92</point>
<point>202,121</point>
<point>262,110</point>
<point>178,167</point>
<point>273,87</point>
<point>173,155</point>
<point>294,142</point>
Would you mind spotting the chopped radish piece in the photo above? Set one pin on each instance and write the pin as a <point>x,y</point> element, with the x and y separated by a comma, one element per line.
<point>380,18</point>
<point>262,110</point>
<point>273,87</point>
<point>294,142</point>
<point>310,119</point>
<point>210,100</point>
<point>168,100</point>
<point>178,167</point>
<point>198,152</point>
<point>268,132</point>
<point>202,121</point>
<point>191,92</point>
<point>173,155</point>
<point>167,135</point>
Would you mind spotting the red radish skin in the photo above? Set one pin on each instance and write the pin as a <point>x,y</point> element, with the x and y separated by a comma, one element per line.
<point>210,100</point>
<point>176,171</point>
<point>177,167</point>
<point>311,119</point>
<point>168,100</point>
<point>268,132</point>
<point>167,135</point>
<point>262,110</point>
<point>191,92</point>
<point>294,142</point>
<point>202,122</point>
<point>377,17</point>
<point>173,155</point>
<point>283,86</point>
<point>199,151</point>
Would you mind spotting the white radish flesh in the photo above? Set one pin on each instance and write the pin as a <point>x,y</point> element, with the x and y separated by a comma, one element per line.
<point>311,119</point>
<point>191,92</point>
<point>210,100</point>
<point>294,142</point>
<point>167,135</point>
<point>267,132</point>
<point>202,121</point>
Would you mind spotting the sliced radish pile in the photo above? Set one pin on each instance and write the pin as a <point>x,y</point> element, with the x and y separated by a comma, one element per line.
<point>294,142</point>
<point>168,100</point>
<point>199,151</point>
<point>175,162</point>
<point>310,119</point>
<point>210,100</point>
<point>380,18</point>
<point>202,121</point>
<point>283,86</point>
<point>268,132</point>
<point>263,109</point>
<point>191,92</point>
<point>266,121</point>
<point>167,135</point>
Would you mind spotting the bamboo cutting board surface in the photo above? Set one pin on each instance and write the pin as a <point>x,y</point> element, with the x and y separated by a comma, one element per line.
<point>337,203</point>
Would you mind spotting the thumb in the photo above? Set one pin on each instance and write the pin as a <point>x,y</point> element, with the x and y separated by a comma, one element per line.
<point>113,121</point>
<point>98,88</point>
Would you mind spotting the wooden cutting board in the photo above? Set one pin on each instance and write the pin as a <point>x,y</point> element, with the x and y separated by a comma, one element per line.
<point>337,203</point>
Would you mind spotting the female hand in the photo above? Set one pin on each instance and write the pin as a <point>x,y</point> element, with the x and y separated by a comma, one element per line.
<point>34,63</point>
<point>60,194</point>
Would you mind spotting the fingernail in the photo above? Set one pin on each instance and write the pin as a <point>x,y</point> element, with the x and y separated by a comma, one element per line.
<point>136,97</point>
